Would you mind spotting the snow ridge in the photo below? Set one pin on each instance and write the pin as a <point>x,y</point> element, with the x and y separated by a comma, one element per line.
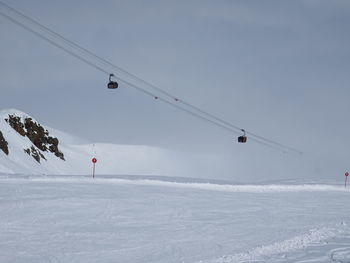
<point>313,236</point>
<point>243,188</point>
<point>168,182</point>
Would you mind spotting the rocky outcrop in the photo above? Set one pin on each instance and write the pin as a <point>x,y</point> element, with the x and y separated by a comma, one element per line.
<point>36,154</point>
<point>3,144</point>
<point>37,135</point>
<point>16,124</point>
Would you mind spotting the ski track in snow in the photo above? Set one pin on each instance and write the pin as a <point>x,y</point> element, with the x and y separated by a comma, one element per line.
<point>80,219</point>
<point>278,252</point>
<point>246,188</point>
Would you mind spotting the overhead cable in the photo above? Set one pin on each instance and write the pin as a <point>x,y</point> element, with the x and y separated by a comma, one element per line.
<point>100,64</point>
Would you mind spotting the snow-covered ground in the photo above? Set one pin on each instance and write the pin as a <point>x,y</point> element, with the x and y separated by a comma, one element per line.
<point>135,219</point>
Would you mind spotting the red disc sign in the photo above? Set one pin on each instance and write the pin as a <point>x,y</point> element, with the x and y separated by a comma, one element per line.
<point>94,160</point>
<point>346,174</point>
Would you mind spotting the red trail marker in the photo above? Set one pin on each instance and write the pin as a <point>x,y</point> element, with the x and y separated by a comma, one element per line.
<point>346,178</point>
<point>94,161</point>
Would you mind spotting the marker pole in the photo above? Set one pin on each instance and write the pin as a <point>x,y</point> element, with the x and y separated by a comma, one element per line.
<point>346,179</point>
<point>94,161</point>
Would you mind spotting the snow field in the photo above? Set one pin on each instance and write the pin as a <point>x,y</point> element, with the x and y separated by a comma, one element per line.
<point>77,219</point>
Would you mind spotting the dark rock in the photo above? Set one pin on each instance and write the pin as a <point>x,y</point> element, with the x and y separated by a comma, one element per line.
<point>41,155</point>
<point>35,153</point>
<point>16,124</point>
<point>3,144</point>
<point>37,135</point>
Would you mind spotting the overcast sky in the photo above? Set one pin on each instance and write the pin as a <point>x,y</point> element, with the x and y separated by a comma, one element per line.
<point>279,69</point>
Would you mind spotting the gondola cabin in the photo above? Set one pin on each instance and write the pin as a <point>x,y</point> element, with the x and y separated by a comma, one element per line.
<point>112,84</point>
<point>243,138</point>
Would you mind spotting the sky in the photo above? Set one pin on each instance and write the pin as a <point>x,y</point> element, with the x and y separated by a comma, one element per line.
<point>279,69</point>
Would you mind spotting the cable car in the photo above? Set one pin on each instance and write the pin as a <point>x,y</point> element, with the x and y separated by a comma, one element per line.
<point>243,138</point>
<point>112,84</point>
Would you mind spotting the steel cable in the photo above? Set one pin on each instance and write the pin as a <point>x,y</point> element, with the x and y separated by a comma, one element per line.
<point>199,112</point>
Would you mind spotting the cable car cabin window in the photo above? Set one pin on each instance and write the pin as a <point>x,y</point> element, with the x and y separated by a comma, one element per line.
<point>242,139</point>
<point>112,85</point>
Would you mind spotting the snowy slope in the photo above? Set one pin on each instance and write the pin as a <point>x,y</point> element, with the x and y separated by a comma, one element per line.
<point>80,219</point>
<point>121,218</point>
<point>112,159</point>
<point>17,161</point>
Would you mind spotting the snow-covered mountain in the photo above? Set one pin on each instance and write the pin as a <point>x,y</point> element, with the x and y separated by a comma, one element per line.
<point>27,147</point>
